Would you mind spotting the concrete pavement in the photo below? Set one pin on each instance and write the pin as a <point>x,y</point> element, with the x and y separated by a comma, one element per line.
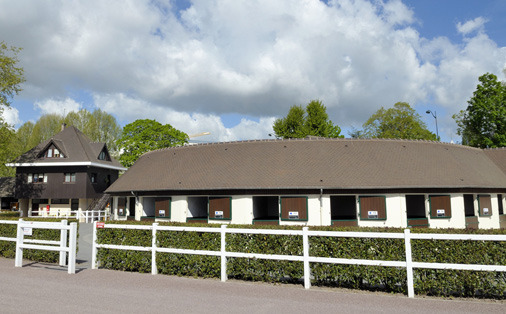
<point>43,288</point>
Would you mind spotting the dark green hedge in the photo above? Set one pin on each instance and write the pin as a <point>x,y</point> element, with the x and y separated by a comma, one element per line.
<point>426,281</point>
<point>8,248</point>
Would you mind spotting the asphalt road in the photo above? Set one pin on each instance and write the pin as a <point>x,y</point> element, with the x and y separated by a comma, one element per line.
<point>42,288</point>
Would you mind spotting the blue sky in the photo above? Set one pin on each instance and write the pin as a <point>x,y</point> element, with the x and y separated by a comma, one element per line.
<point>232,67</point>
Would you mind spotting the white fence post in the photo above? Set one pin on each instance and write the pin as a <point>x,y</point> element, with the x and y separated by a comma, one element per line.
<point>154,268</point>
<point>223,233</point>
<point>409,263</point>
<point>305,250</point>
<point>72,248</point>
<point>63,243</point>
<point>94,247</point>
<point>19,241</point>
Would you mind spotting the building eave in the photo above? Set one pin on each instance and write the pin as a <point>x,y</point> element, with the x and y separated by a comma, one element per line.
<point>66,164</point>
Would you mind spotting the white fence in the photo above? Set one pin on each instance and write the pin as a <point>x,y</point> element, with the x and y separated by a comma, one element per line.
<point>305,258</point>
<point>25,228</point>
<point>81,215</point>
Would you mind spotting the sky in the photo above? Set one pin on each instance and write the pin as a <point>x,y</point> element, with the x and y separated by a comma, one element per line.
<point>232,67</point>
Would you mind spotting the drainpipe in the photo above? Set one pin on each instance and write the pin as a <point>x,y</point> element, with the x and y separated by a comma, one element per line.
<point>321,207</point>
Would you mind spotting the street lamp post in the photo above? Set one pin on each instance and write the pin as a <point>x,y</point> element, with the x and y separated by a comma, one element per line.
<point>435,117</point>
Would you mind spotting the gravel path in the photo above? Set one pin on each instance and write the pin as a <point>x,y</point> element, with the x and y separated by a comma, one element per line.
<point>42,288</point>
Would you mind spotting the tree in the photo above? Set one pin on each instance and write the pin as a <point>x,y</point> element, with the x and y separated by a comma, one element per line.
<point>483,123</point>
<point>8,149</point>
<point>313,121</point>
<point>401,122</point>
<point>98,125</point>
<point>11,77</point>
<point>142,136</point>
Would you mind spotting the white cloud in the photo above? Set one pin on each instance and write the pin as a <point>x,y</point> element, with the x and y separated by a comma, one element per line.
<point>255,58</point>
<point>59,106</point>
<point>10,115</point>
<point>478,24</point>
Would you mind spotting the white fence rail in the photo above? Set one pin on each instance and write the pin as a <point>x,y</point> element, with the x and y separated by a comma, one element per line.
<point>25,228</point>
<point>82,215</point>
<point>305,257</point>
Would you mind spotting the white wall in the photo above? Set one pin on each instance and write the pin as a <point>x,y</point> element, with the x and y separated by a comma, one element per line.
<point>242,210</point>
<point>178,209</point>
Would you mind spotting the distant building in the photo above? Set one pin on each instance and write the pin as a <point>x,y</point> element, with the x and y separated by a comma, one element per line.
<point>66,172</point>
<point>317,181</point>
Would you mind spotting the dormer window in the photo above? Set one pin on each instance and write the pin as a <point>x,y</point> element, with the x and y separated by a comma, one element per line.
<point>104,156</point>
<point>53,152</point>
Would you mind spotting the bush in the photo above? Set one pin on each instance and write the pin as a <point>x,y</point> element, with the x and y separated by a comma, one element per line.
<point>392,279</point>
<point>8,248</point>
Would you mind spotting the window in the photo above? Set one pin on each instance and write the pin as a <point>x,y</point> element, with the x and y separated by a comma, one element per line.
<point>93,178</point>
<point>53,152</point>
<point>60,201</point>
<point>104,155</point>
<point>36,178</point>
<point>70,177</point>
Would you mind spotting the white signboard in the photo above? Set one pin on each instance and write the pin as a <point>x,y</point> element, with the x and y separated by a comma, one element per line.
<point>372,214</point>
<point>440,212</point>
<point>485,211</point>
<point>218,214</point>
<point>27,231</point>
<point>293,215</point>
<point>161,212</point>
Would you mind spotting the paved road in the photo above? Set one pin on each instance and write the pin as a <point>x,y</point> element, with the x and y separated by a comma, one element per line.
<point>83,258</point>
<point>41,288</point>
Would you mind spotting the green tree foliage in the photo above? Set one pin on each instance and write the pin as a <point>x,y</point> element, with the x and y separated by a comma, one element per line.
<point>142,136</point>
<point>401,122</point>
<point>483,123</point>
<point>11,76</point>
<point>8,149</point>
<point>313,121</point>
<point>98,125</point>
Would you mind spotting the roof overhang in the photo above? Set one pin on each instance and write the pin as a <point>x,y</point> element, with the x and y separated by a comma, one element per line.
<point>64,164</point>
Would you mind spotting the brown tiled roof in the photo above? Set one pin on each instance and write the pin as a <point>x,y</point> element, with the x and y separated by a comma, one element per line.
<point>313,163</point>
<point>76,147</point>
<point>498,155</point>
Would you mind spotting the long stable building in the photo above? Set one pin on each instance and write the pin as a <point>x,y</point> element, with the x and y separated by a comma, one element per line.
<point>318,181</point>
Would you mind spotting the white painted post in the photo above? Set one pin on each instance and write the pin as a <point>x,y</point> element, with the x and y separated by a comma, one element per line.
<point>305,250</point>
<point>154,268</point>
<point>223,233</point>
<point>72,248</point>
<point>94,247</point>
<point>19,241</point>
<point>409,263</point>
<point>63,243</point>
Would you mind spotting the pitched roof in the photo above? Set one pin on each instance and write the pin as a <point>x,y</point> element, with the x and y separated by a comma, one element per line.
<point>313,163</point>
<point>74,145</point>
